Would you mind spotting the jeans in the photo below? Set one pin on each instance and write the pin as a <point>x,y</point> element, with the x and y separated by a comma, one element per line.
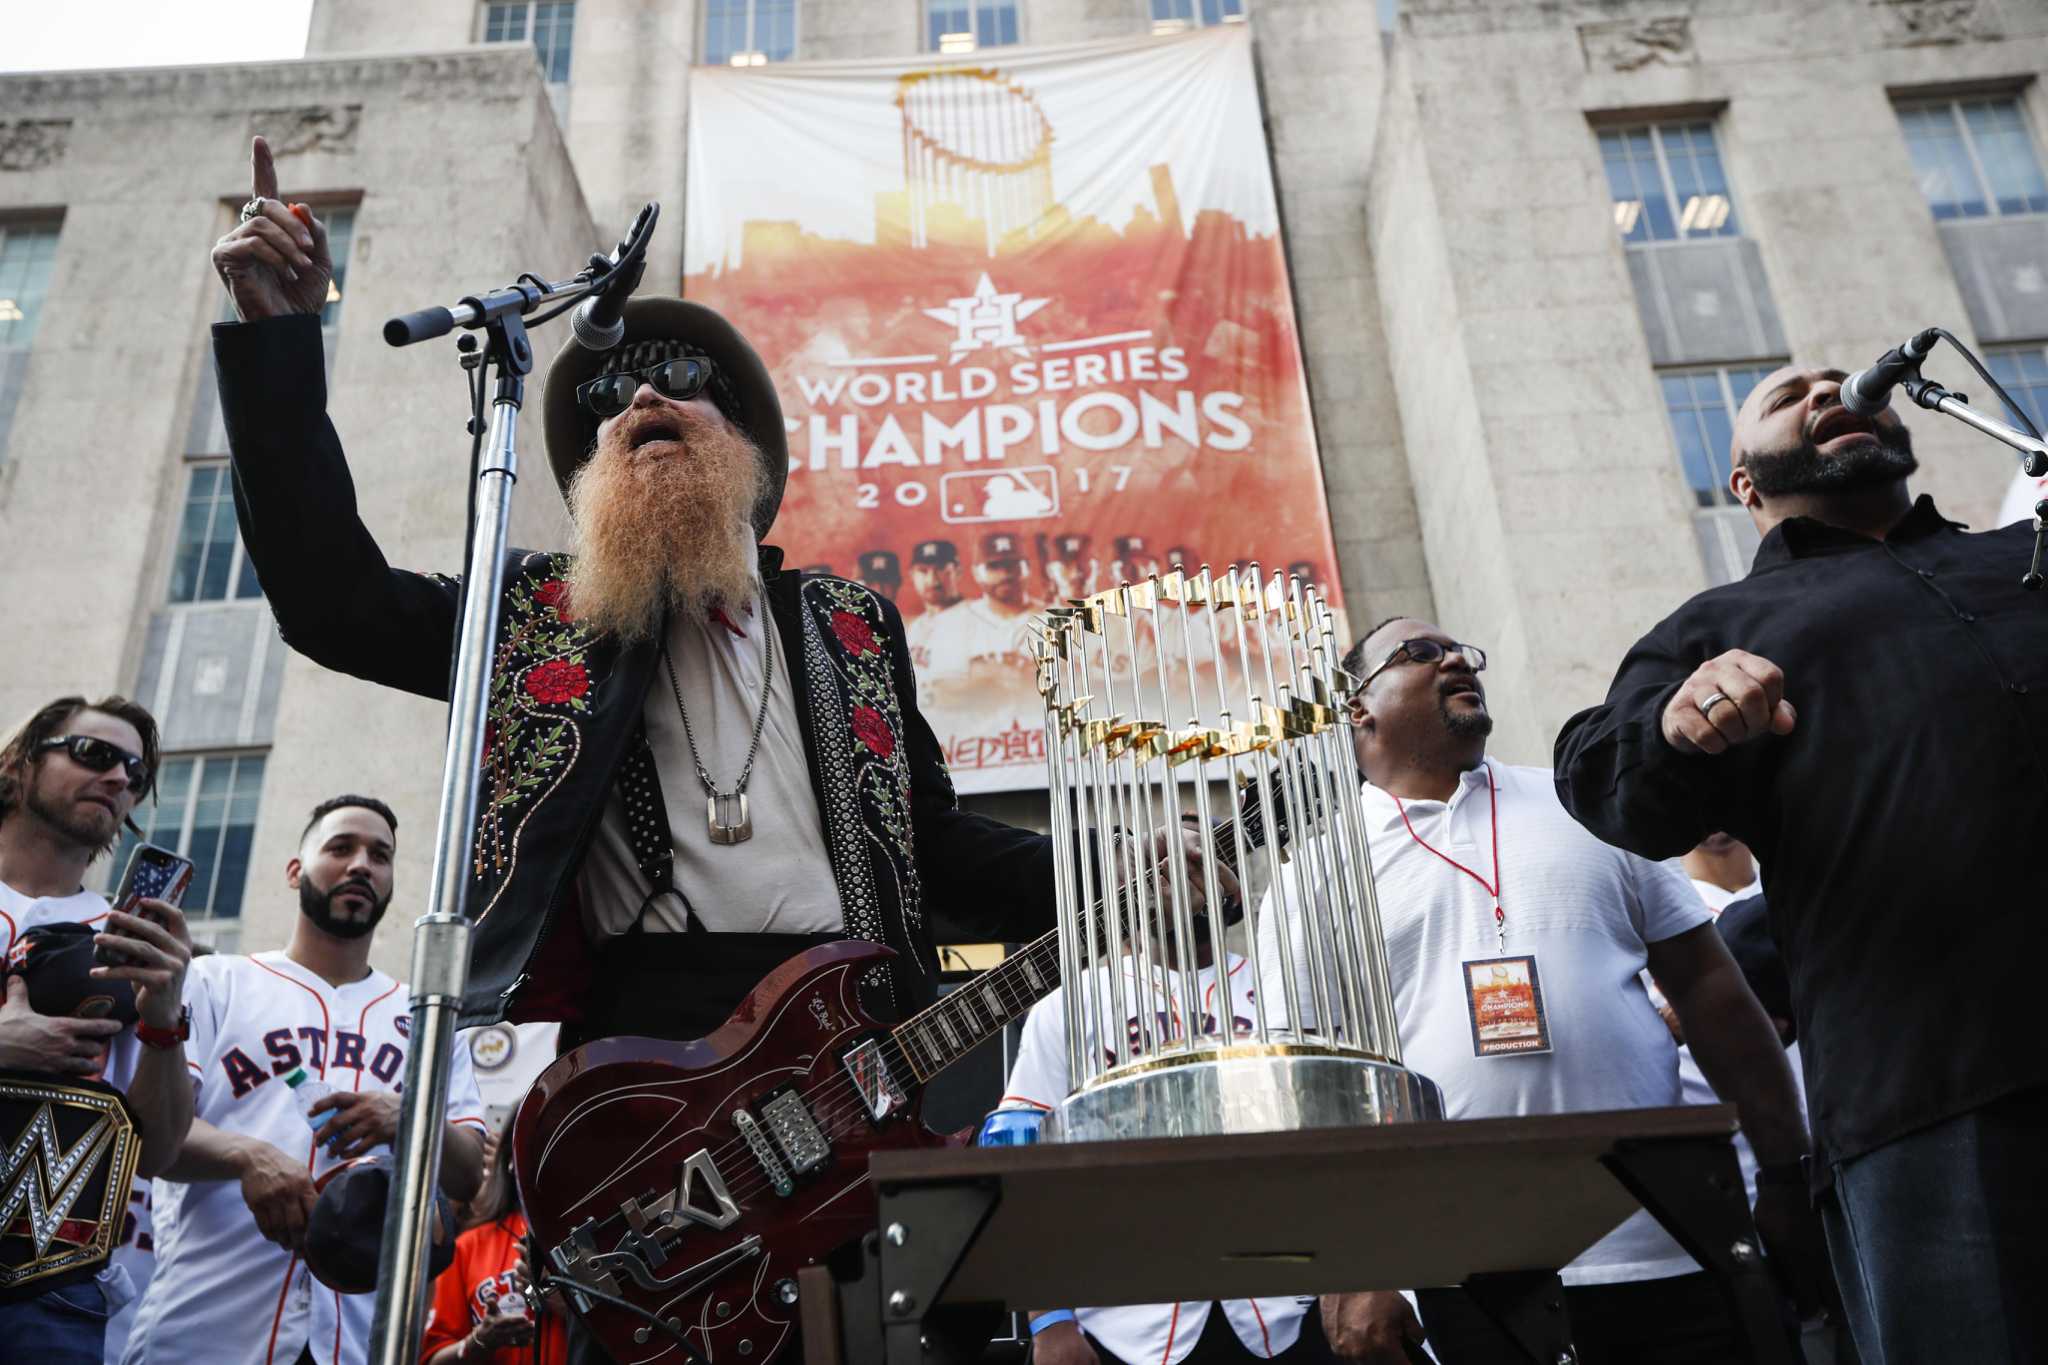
<point>1681,1320</point>
<point>65,1326</point>
<point>1937,1239</point>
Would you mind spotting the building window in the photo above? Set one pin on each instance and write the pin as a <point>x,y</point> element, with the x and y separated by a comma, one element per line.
<point>1667,183</point>
<point>952,26</point>
<point>1701,405</point>
<point>1974,158</point>
<point>341,231</point>
<point>1173,16</point>
<point>749,32</point>
<point>549,23</point>
<point>205,809</point>
<point>2023,370</point>
<point>27,252</point>
<point>210,565</point>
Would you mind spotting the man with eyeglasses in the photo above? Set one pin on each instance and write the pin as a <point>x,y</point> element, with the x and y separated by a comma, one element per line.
<point>1515,942</point>
<point>699,762</point>
<point>69,778</point>
<point>1868,711</point>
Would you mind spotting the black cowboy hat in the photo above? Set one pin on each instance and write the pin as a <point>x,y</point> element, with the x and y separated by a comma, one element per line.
<point>740,387</point>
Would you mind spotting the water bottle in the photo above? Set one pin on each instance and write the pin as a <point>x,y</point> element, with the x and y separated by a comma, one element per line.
<point>307,1092</point>
<point>1010,1128</point>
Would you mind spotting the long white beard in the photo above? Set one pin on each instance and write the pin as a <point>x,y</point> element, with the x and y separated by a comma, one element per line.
<point>664,522</point>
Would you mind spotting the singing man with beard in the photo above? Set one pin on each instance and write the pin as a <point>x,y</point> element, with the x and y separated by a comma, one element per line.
<point>698,761</point>
<point>231,1211</point>
<point>1868,711</point>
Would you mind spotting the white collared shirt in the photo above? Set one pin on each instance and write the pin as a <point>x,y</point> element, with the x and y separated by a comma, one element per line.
<point>780,880</point>
<point>1585,910</point>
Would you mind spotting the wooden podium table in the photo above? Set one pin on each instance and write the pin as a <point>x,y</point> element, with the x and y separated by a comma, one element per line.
<point>1496,1205</point>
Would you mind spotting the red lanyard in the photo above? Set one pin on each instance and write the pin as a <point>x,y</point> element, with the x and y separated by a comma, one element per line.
<point>1500,919</point>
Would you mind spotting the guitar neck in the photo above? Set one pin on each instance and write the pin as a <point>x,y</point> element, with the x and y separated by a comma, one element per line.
<point>976,1011</point>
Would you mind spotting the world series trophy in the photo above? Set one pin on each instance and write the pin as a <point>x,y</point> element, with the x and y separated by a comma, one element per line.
<point>1248,665</point>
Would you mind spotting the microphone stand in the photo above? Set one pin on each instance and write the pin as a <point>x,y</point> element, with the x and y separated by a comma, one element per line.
<point>2033,452</point>
<point>440,958</point>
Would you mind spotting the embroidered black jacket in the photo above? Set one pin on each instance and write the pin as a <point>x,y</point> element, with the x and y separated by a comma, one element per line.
<point>565,704</point>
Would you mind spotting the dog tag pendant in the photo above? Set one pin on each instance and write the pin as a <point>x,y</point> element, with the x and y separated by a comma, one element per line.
<point>726,815</point>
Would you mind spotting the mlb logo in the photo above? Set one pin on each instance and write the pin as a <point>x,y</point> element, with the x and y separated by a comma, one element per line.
<point>1021,494</point>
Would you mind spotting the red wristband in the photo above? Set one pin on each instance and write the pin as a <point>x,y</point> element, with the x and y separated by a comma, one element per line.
<point>151,1036</point>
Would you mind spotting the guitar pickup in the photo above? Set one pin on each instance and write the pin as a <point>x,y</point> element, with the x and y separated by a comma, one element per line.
<point>802,1142</point>
<point>879,1090</point>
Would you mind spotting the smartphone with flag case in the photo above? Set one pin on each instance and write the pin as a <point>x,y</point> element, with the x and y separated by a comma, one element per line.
<point>153,874</point>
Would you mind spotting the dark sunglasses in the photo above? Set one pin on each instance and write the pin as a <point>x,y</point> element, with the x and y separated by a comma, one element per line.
<point>99,755</point>
<point>608,395</point>
<point>1428,652</point>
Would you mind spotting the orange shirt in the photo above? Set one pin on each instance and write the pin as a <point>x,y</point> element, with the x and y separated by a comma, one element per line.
<point>465,1292</point>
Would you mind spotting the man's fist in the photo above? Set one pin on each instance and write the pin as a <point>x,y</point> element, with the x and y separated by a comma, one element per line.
<point>1372,1329</point>
<point>1730,699</point>
<point>278,1191</point>
<point>277,262</point>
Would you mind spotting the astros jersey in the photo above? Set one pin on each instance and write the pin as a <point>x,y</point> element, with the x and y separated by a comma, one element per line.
<point>1162,1333</point>
<point>221,1291</point>
<point>970,632</point>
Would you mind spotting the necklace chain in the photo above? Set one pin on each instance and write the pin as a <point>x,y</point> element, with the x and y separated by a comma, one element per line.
<point>760,716</point>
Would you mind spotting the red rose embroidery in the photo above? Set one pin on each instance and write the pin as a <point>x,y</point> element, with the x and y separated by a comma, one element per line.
<point>873,731</point>
<point>855,635</point>
<point>554,593</point>
<point>557,680</point>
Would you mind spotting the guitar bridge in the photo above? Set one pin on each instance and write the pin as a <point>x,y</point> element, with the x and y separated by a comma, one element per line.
<point>880,1092</point>
<point>764,1152</point>
<point>797,1133</point>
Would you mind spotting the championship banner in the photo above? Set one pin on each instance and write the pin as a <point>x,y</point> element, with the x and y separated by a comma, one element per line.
<point>1029,317</point>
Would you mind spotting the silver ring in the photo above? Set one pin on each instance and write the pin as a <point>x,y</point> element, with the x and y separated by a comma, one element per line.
<point>252,209</point>
<point>1707,706</point>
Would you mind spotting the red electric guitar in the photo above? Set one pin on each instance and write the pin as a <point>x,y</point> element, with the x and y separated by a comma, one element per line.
<point>693,1180</point>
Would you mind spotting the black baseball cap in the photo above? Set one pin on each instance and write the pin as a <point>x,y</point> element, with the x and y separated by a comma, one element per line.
<point>935,553</point>
<point>345,1233</point>
<point>880,564</point>
<point>815,568</point>
<point>1070,547</point>
<point>1127,546</point>
<point>1000,547</point>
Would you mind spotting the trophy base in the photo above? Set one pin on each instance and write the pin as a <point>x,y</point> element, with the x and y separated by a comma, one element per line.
<point>1268,1091</point>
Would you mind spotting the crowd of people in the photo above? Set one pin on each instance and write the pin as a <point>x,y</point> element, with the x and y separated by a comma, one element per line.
<point>1864,713</point>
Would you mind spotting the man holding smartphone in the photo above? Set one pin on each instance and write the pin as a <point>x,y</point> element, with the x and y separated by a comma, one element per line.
<point>68,780</point>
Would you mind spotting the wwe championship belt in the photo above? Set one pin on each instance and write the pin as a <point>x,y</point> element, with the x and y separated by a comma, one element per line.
<point>65,1173</point>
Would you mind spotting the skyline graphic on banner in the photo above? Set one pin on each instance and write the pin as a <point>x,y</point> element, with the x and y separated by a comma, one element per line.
<point>1008,383</point>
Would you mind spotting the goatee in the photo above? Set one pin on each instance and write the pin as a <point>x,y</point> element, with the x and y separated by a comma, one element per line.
<point>96,831</point>
<point>664,522</point>
<point>318,906</point>
<point>1862,464</point>
<point>1464,724</point>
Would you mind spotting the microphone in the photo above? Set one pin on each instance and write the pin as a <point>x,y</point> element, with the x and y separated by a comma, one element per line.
<point>599,321</point>
<point>1867,392</point>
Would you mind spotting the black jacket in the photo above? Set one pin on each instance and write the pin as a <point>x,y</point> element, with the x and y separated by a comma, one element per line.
<point>565,703</point>
<point>1896,825</point>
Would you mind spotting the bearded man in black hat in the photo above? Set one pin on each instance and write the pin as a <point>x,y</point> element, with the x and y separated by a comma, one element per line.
<point>699,762</point>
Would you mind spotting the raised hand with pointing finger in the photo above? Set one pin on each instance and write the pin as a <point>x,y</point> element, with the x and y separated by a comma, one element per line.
<point>275,262</point>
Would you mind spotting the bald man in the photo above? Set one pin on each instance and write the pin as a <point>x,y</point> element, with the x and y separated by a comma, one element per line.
<point>1868,711</point>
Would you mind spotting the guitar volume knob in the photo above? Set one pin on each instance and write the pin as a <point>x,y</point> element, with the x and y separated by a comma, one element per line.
<point>786,1291</point>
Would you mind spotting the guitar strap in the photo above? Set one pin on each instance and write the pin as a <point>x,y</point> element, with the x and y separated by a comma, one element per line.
<point>647,829</point>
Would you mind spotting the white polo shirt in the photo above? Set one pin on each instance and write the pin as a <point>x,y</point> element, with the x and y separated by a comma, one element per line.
<point>1585,910</point>
<point>1163,1333</point>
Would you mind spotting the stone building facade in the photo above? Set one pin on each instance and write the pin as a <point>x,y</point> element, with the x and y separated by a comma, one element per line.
<point>1538,249</point>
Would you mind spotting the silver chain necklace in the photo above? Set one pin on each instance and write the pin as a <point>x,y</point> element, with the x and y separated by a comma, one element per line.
<point>725,813</point>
